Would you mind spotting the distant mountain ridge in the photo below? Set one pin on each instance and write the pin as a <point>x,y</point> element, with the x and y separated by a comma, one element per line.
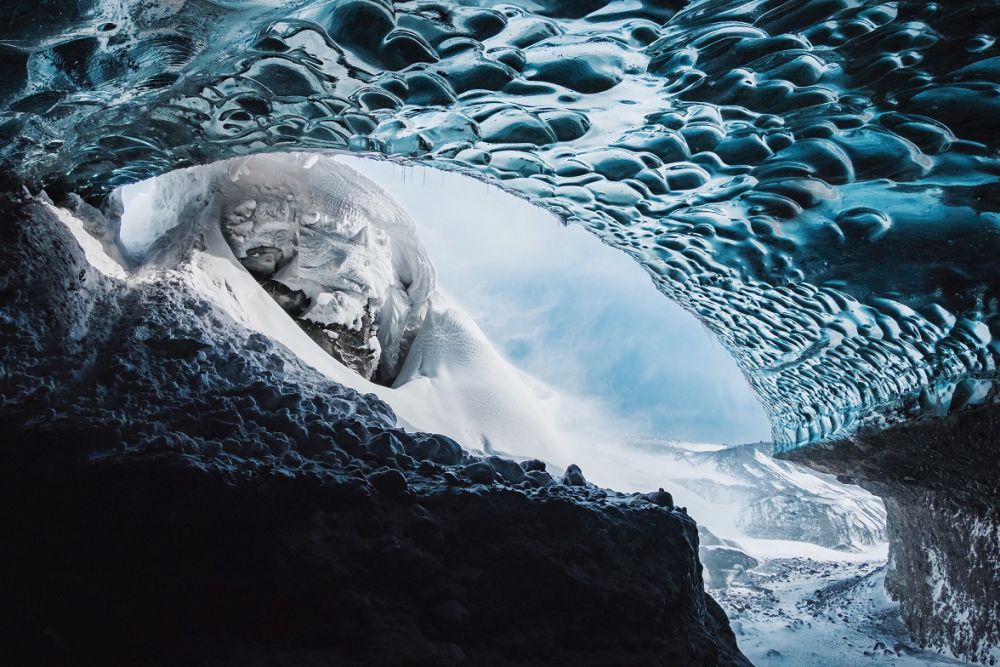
<point>770,498</point>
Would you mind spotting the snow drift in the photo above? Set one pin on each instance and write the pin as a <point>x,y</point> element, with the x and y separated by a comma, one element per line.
<point>348,256</point>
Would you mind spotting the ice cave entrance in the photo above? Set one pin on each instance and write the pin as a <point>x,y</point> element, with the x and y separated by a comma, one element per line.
<point>479,316</point>
<point>582,318</point>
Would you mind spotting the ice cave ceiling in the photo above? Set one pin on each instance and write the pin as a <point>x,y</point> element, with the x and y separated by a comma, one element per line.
<point>816,179</point>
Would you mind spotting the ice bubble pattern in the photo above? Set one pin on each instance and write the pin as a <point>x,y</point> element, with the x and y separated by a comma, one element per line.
<point>817,180</point>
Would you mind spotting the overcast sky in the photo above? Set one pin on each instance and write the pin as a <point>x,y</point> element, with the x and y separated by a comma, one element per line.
<point>573,312</point>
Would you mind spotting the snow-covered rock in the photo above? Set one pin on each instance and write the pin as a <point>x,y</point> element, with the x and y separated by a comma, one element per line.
<point>941,489</point>
<point>333,248</point>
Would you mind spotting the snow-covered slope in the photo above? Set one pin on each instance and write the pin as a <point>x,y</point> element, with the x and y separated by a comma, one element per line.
<point>785,501</point>
<point>744,494</point>
<point>821,613</point>
<point>448,378</point>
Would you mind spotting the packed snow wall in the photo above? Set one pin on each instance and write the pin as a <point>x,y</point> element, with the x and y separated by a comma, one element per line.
<point>817,181</point>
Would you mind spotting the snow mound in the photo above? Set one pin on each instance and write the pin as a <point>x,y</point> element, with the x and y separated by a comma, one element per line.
<point>319,228</point>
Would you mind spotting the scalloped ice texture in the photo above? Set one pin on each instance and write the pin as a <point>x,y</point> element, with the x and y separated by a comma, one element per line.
<point>815,179</point>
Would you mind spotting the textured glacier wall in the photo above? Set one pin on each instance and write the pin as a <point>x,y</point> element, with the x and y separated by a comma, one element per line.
<point>816,180</point>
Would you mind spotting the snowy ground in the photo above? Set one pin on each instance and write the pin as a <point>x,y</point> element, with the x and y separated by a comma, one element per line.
<point>819,613</point>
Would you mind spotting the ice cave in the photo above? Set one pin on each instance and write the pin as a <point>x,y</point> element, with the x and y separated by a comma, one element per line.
<point>544,332</point>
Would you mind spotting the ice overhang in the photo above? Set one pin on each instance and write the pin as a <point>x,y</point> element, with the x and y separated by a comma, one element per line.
<point>817,181</point>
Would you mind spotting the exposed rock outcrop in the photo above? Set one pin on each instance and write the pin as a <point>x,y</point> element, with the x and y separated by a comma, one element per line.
<point>940,479</point>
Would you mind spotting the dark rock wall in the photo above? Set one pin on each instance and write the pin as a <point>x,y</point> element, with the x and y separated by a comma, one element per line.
<point>940,479</point>
<point>151,561</point>
<point>946,572</point>
<point>178,490</point>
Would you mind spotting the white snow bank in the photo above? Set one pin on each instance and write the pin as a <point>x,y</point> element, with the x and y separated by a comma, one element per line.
<point>92,248</point>
<point>453,381</point>
<point>453,369</point>
<point>353,243</point>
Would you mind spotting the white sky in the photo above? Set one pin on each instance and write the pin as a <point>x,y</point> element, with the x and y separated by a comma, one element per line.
<point>575,313</point>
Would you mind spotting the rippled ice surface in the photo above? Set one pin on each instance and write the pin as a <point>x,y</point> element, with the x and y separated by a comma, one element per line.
<point>816,180</point>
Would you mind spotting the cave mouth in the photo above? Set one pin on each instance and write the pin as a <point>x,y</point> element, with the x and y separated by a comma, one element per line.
<point>816,183</point>
<point>579,358</point>
<point>520,336</point>
<point>351,267</point>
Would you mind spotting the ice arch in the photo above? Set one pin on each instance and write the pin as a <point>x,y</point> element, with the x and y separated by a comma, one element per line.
<point>580,316</point>
<point>763,161</point>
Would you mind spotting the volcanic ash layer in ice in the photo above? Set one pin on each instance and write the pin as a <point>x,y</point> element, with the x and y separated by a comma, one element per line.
<point>188,491</point>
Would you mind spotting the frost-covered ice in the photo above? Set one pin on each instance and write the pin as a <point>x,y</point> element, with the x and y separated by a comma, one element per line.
<point>339,252</point>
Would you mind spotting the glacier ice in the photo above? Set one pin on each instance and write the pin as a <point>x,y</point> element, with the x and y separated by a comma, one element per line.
<point>815,180</point>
